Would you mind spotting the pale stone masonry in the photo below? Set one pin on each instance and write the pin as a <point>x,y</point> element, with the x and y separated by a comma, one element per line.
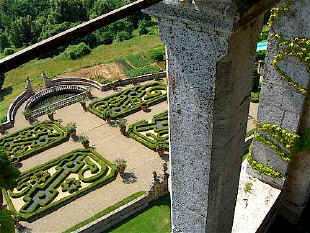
<point>209,72</point>
<point>280,103</point>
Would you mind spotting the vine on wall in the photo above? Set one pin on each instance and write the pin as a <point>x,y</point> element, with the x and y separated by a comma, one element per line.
<point>300,49</point>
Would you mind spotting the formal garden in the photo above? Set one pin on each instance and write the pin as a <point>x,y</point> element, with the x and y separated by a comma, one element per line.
<point>43,188</point>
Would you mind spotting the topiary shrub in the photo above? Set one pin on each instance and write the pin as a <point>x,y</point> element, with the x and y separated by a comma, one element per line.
<point>157,55</point>
<point>8,51</point>
<point>76,51</point>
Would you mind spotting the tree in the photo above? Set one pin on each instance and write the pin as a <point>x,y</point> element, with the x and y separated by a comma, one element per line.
<point>1,80</point>
<point>8,175</point>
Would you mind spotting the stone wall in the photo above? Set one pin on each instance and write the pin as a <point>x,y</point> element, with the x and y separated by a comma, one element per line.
<point>158,188</point>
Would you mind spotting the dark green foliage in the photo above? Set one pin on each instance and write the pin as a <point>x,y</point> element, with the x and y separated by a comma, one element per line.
<point>260,55</point>
<point>76,51</point>
<point>3,119</point>
<point>8,51</point>
<point>123,35</point>
<point>159,125</point>
<point>33,140</point>
<point>129,100</point>
<point>2,76</point>
<point>8,174</point>
<point>26,22</point>
<point>40,178</point>
<point>6,221</point>
<point>157,54</point>
<point>142,70</point>
<point>142,30</point>
<point>106,37</point>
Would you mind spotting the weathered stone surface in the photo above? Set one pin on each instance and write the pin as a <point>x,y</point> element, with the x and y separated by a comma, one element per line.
<point>267,156</point>
<point>208,109</point>
<point>280,103</point>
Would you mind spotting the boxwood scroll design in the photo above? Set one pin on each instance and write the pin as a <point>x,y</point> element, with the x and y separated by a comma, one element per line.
<point>148,132</point>
<point>129,101</point>
<point>49,186</point>
<point>33,140</point>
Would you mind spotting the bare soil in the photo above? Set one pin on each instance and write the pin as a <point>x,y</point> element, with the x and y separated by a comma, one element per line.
<point>110,71</point>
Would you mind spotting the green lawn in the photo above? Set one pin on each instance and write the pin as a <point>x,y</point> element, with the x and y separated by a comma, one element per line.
<point>155,219</point>
<point>15,79</point>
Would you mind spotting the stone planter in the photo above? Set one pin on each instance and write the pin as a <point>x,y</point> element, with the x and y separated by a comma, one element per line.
<point>89,95</point>
<point>123,130</point>
<point>144,107</point>
<point>84,106</point>
<point>50,116</point>
<point>73,134</point>
<point>160,152</point>
<point>86,145</point>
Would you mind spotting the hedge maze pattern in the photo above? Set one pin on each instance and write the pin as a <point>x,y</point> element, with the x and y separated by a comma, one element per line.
<point>34,139</point>
<point>49,186</point>
<point>129,101</point>
<point>150,133</point>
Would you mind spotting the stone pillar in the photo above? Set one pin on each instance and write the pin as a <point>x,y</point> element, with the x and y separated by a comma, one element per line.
<point>280,103</point>
<point>28,87</point>
<point>47,81</point>
<point>210,65</point>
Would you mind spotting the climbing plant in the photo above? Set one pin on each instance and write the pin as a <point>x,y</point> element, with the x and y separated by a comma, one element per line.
<point>282,141</point>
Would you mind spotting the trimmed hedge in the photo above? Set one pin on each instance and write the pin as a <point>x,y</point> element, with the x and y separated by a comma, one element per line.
<point>106,211</point>
<point>149,140</point>
<point>47,134</point>
<point>39,179</point>
<point>129,100</point>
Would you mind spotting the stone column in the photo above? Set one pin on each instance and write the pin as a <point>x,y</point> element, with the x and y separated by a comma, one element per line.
<point>280,103</point>
<point>210,67</point>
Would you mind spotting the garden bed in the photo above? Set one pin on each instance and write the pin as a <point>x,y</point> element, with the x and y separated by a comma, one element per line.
<point>147,132</point>
<point>33,140</point>
<point>51,185</point>
<point>129,100</point>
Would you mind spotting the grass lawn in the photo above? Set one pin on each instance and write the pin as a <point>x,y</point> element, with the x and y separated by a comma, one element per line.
<point>14,82</point>
<point>155,219</point>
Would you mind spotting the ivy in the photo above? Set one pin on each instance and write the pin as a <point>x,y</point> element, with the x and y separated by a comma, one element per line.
<point>262,168</point>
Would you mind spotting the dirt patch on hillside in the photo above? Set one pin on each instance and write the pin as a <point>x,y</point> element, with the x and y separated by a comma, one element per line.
<point>111,71</point>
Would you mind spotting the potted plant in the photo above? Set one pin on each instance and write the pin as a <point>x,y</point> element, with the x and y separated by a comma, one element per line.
<point>121,165</point>
<point>27,114</point>
<point>88,93</point>
<point>122,125</point>
<point>50,113</point>
<point>156,76</point>
<point>2,129</point>
<point>144,106</point>
<point>160,143</point>
<point>71,129</point>
<point>83,103</point>
<point>107,115</point>
<point>133,82</point>
<point>84,140</point>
